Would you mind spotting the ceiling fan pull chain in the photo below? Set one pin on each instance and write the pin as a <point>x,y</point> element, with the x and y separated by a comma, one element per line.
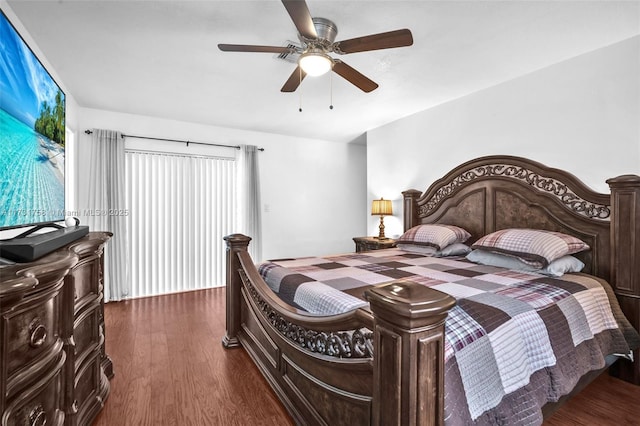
<point>300,91</point>
<point>330,90</point>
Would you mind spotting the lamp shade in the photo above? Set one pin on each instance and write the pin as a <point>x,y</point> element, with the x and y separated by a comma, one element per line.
<point>381,207</point>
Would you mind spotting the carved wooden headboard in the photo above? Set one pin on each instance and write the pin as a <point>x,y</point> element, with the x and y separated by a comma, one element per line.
<point>498,192</point>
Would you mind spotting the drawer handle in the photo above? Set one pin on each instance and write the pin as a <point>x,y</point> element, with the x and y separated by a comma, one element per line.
<point>38,334</point>
<point>38,416</point>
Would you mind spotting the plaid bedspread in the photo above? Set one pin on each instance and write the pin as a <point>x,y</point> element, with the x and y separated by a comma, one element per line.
<point>513,342</point>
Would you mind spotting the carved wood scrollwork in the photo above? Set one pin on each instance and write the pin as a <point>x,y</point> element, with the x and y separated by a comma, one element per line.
<point>356,343</point>
<point>541,183</point>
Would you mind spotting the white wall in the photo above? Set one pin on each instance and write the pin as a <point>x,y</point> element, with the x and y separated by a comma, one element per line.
<point>581,115</point>
<point>71,118</point>
<point>313,191</point>
<point>316,193</point>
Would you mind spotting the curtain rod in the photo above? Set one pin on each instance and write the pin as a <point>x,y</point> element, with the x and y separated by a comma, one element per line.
<point>88,132</point>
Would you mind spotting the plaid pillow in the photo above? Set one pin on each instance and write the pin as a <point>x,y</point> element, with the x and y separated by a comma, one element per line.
<point>438,236</point>
<point>535,247</point>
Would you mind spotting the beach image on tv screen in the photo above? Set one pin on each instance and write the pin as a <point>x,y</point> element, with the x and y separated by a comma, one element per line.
<point>32,114</point>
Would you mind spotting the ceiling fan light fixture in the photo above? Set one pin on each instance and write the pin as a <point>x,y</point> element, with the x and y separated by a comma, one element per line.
<point>315,62</point>
<point>317,41</point>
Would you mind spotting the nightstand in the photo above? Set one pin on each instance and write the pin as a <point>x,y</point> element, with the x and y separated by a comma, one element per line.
<point>373,243</point>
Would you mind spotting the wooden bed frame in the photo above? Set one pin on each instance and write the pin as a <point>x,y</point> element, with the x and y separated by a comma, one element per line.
<point>384,365</point>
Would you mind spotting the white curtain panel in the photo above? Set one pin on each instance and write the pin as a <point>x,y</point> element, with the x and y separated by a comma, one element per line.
<point>181,208</point>
<point>108,209</point>
<point>248,202</point>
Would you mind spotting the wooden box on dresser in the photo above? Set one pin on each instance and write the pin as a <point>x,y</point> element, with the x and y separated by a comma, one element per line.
<point>53,365</point>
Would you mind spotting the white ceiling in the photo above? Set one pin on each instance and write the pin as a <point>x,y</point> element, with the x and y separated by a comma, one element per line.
<point>160,58</point>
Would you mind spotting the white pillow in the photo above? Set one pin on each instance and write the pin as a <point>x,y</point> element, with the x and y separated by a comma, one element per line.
<point>415,248</point>
<point>557,268</point>
<point>455,249</point>
<point>561,266</point>
<point>490,258</point>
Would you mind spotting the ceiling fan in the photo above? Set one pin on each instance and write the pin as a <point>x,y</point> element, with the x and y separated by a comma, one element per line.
<point>317,36</point>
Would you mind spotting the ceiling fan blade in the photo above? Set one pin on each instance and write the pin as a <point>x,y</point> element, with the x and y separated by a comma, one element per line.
<point>252,48</point>
<point>354,77</point>
<point>388,40</point>
<point>299,12</point>
<point>294,80</point>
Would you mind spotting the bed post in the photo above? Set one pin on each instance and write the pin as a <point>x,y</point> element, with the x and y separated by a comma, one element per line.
<point>408,362</point>
<point>235,244</point>
<point>410,206</point>
<point>625,260</point>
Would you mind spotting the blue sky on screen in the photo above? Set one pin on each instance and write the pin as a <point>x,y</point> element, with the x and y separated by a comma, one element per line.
<point>24,83</point>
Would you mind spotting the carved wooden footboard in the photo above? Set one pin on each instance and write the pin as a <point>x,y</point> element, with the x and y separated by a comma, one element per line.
<point>323,368</point>
<point>384,365</point>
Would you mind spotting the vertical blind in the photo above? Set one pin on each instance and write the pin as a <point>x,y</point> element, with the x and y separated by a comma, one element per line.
<point>180,209</point>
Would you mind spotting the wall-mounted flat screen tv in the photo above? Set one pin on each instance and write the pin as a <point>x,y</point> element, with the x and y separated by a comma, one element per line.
<point>32,136</point>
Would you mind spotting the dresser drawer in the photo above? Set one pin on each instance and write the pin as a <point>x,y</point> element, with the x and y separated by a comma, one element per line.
<point>31,329</point>
<point>87,384</point>
<point>86,332</point>
<point>85,282</point>
<point>40,404</point>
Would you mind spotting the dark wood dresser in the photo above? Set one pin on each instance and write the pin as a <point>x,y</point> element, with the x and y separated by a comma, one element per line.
<point>53,366</point>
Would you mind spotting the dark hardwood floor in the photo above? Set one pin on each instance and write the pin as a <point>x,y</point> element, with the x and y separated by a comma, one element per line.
<point>171,369</point>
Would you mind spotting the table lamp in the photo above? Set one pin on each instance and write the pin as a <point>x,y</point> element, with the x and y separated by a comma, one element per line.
<point>381,208</point>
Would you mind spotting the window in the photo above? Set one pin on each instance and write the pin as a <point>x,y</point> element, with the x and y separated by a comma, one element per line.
<point>180,208</point>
